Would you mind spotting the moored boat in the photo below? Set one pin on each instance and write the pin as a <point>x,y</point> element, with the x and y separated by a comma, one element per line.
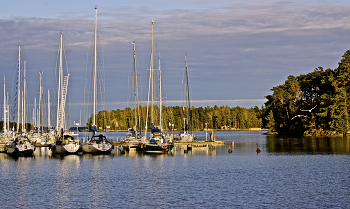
<point>65,145</point>
<point>157,142</point>
<point>21,146</point>
<point>185,136</point>
<point>98,144</point>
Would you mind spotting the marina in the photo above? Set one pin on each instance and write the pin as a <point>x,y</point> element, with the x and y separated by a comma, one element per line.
<point>293,152</point>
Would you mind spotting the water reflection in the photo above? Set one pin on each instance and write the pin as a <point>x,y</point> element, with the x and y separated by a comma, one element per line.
<point>194,150</point>
<point>42,151</point>
<point>325,145</point>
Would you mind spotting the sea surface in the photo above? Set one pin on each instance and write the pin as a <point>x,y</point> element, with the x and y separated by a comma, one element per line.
<point>287,173</point>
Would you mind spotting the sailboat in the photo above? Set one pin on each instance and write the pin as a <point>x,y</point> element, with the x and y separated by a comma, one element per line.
<point>157,142</point>
<point>64,143</point>
<point>20,145</point>
<point>132,136</point>
<point>97,143</point>
<point>185,136</point>
<point>6,136</point>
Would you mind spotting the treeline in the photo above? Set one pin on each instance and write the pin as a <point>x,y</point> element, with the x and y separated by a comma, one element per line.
<point>317,102</point>
<point>215,117</point>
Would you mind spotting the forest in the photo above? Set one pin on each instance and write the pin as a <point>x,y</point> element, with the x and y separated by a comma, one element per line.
<point>235,118</point>
<point>313,104</point>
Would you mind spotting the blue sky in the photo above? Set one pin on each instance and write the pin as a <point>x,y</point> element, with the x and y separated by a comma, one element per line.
<point>236,50</point>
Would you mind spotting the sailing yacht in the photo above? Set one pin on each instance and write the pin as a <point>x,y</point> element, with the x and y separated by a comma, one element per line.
<point>21,145</point>
<point>6,136</point>
<point>64,143</point>
<point>132,136</point>
<point>185,136</point>
<point>157,142</point>
<point>96,144</point>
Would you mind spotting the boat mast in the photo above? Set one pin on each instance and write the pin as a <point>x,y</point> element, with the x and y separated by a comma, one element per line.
<point>95,72</point>
<point>60,83</point>
<point>187,93</point>
<point>5,116</point>
<point>19,86</point>
<point>160,98</point>
<point>22,129</point>
<point>34,114</point>
<point>40,121</point>
<point>152,71</point>
<point>8,111</point>
<point>24,99</point>
<point>135,88</point>
<point>48,109</point>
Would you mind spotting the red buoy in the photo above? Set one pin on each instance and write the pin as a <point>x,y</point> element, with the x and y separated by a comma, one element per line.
<point>258,150</point>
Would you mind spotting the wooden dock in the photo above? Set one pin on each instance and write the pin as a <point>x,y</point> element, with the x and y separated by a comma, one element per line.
<point>193,143</point>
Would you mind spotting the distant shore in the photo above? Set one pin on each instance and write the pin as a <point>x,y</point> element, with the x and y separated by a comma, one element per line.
<point>209,130</point>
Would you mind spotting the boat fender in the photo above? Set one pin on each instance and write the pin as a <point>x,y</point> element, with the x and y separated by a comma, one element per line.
<point>112,146</point>
<point>53,147</point>
<point>49,146</point>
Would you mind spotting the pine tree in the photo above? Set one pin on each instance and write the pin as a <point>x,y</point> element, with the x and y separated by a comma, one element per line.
<point>271,121</point>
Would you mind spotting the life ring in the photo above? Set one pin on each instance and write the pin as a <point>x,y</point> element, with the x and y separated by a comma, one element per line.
<point>164,146</point>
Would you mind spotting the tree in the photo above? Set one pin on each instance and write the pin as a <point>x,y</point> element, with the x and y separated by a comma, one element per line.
<point>271,121</point>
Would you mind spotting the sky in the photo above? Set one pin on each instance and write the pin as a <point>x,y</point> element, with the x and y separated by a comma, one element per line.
<point>237,50</point>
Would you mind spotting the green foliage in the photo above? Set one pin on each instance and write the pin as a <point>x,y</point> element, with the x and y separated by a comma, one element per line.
<point>215,117</point>
<point>271,121</point>
<point>326,92</point>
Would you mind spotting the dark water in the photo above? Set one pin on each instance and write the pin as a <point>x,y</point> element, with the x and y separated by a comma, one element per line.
<point>288,173</point>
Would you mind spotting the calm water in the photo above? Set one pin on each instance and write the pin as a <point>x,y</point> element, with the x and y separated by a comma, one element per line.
<point>288,173</point>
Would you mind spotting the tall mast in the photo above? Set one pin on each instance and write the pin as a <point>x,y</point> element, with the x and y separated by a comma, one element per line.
<point>19,86</point>
<point>60,83</point>
<point>135,87</point>
<point>5,117</point>
<point>152,71</point>
<point>160,97</point>
<point>22,129</point>
<point>187,93</point>
<point>40,122</point>
<point>8,111</point>
<point>24,98</point>
<point>95,72</point>
<point>48,109</point>
<point>34,114</point>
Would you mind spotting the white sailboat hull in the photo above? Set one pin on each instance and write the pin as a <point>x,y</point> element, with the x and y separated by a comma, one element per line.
<point>97,148</point>
<point>21,149</point>
<point>65,149</point>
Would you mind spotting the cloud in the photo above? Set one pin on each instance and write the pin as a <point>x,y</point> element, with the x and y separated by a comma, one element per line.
<point>236,51</point>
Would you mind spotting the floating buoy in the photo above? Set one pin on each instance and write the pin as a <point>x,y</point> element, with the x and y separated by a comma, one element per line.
<point>229,150</point>
<point>258,150</point>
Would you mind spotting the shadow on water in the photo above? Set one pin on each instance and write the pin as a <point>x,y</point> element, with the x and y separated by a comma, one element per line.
<point>308,145</point>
